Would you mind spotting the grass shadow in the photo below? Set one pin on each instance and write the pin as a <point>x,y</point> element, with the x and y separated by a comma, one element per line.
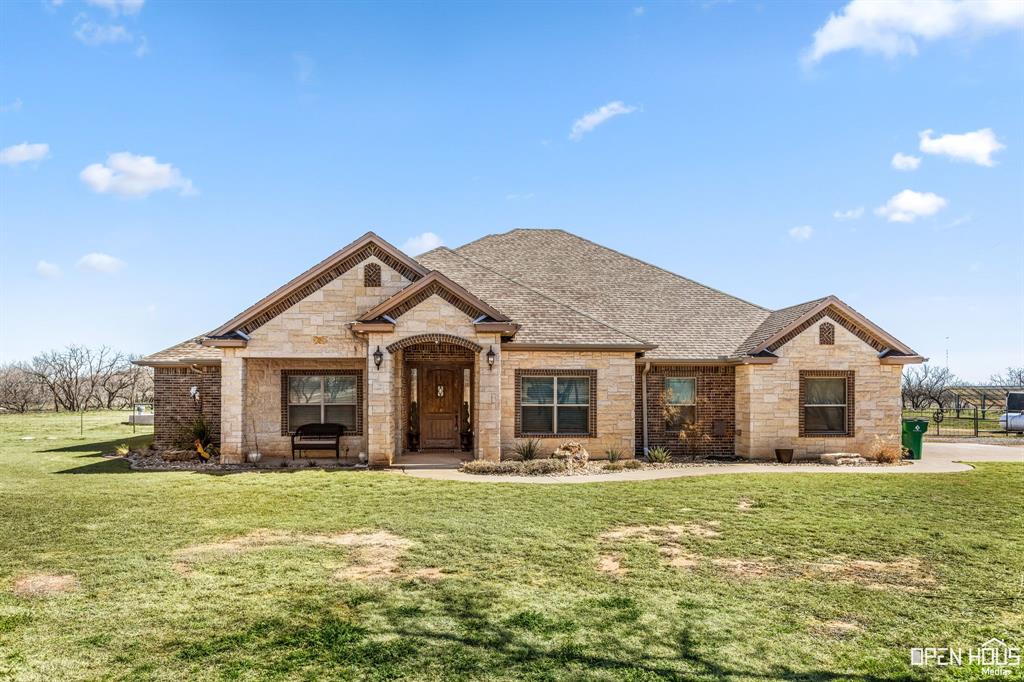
<point>104,447</point>
<point>107,465</point>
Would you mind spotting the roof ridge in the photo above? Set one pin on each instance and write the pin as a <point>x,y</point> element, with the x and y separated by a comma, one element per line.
<point>545,296</point>
<point>652,265</point>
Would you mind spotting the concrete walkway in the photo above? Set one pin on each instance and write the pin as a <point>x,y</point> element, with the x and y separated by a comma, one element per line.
<point>939,458</point>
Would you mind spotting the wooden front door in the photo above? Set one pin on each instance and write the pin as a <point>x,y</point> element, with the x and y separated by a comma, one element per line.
<point>440,399</point>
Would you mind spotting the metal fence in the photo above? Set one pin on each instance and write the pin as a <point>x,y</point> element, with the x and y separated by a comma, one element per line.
<point>968,422</point>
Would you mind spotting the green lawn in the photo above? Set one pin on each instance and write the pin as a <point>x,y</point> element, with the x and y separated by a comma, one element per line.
<point>520,596</point>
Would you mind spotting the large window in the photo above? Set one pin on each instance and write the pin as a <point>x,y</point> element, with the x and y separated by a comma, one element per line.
<point>323,399</point>
<point>680,402</point>
<point>555,405</point>
<point>825,405</point>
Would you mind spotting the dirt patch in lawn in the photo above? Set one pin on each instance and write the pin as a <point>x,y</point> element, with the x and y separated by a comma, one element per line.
<point>44,585</point>
<point>371,554</point>
<point>746,568</point>
<point>667,533</point>
<point>746,504</point>
<point>838,628</point>
<point>610,564</point>
<point>908,573</point>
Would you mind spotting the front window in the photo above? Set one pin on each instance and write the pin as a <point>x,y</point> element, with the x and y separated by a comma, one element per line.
<point>558,405</point>
<point>330,399</point>
<point>680,401</point>
<point>825,406</point>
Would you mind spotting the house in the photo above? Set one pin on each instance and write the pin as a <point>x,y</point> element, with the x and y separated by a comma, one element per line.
<point>529,334</point>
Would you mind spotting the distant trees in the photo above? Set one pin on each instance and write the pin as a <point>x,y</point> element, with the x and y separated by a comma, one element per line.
<point>74,379</point>
<point>1013,376</point>
<point>927,385</point>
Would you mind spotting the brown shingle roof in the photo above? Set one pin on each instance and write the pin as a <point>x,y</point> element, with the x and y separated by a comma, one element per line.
<point>185,353</point>
<point>686,320</point>
<point>776,322</point>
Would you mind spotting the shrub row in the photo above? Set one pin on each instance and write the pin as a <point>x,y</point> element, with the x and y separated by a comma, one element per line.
<point>533,467</point>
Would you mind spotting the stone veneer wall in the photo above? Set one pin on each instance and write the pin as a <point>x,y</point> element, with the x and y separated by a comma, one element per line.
<point>767,396</point>
<point>263,405</point>
<point>713,433</point>
<point>173,406</point>
<point>616,375</point>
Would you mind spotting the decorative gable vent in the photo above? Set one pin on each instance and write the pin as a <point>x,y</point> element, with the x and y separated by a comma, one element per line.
<point>371,275</point>
<point>826,334</point>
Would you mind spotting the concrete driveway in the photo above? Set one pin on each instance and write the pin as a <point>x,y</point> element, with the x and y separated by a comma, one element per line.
<point>939,458</point>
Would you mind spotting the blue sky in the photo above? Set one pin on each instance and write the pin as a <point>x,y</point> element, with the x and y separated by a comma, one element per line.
<point>723,138</point>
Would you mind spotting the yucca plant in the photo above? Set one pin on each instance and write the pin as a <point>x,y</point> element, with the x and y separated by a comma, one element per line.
<point>613,454</point>
<point>659,455</point>
<point>527,449</point>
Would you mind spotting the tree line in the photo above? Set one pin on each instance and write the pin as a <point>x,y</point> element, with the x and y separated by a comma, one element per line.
<point>75,379</point>
<point>929,386</point>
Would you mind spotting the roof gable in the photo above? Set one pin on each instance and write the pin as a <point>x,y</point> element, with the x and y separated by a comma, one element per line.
<point>319,275</point>
<point>434,284</point>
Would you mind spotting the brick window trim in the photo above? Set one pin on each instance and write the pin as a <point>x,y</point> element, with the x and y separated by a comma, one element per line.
<point>371,275</point>
<point>826,334</point>
<point>850,377</point>
<point>591,412</point>
<point>357,373</point>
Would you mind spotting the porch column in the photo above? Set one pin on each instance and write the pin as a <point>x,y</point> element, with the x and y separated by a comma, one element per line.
<point>488,404</point>
<point>380,404</point>
<point>232,407</point>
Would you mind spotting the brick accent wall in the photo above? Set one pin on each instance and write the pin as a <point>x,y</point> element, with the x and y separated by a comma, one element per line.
<point>430,353</point>
<point>592,412</point>
<point>826,334</point>
<point>851,400</point>
<point>173,407</point>
<point>714,431</point>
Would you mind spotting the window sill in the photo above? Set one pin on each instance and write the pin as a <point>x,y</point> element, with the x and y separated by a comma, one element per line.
<point>825,434</point>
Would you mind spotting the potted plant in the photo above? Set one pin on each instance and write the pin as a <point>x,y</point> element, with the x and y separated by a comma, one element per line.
<point>466,435</point>
<point>413,432</point>
<point>784,455</point>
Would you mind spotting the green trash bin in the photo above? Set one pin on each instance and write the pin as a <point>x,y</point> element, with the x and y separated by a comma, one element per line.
<point>913,436</point>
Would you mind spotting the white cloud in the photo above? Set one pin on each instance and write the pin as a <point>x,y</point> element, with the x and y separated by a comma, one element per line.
<point>131,175</point>
<point>92,34</point>
<point>116,7</point>
<point>849,214</point>
<point>905,162</point>
<point>977,147</point>
<point>892,27</point>
<point>47,269</point>
<point>588,122</point>
<point>801,233</point>
<point>421,243</point>
<point>13,106</point>
<point>639,11</point>
<point>142,48</point>
<point>100,262</point>
<point>908,206</point>
<point>21,153</point>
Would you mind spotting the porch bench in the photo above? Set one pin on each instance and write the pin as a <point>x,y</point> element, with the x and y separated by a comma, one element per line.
<point>318,437</point>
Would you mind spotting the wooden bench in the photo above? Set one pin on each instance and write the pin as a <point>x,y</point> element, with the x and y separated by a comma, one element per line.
<point>318,437</point>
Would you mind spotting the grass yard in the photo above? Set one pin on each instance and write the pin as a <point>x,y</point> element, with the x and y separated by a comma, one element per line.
<point>379,576</point>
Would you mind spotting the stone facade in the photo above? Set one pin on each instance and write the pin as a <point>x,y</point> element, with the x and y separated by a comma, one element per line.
<point>174,409</point>
<point>713,433</point>
<point>768,396</point>
<point>615,377</point>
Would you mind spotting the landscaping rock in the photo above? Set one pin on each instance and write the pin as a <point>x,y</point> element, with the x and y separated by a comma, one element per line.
<point>843,459</point>
<point>573,452</point>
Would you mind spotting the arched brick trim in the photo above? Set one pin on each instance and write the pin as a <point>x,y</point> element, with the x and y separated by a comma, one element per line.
<point>840,319</point>
<point>434,338</point>
<point>826,334</point>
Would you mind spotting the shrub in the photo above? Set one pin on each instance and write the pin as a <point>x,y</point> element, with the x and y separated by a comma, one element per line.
<point>659,455</point>
<point>197,430</point>
<point>614,454</point>
<point>122,449</point>
<point>535,467</point>
<point>543,466</point>
<point>614,466</point>
<point>885,450</point>
<point>527,449</point>
<point>633,464</point>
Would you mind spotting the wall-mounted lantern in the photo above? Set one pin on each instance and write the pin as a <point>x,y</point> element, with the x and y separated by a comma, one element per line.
<point>194,394</point>
<point>490,358</point>
<point>378,357</point>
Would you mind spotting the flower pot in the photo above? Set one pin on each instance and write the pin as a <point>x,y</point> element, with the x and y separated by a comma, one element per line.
<point>413,440</point>
<point>784,455</point>
<point>254,457</point>
<point>466,441</point>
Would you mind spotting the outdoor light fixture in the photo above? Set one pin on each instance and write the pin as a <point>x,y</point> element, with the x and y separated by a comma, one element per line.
<point>378,357</point>
<point>194,393</point>
<point>490,358</point>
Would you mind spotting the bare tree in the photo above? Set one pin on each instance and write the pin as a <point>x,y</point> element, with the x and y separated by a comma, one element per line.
<point>927,385</point>
<point>20,389</point>
<point>1013,376</point>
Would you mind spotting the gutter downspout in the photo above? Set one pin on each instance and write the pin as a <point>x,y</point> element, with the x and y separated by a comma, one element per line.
<point>643,400</point>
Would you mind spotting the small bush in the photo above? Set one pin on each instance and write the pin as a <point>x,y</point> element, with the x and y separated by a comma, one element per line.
<point>614,466</point>
<point>632,464</point>
<point>885,450</point>
<point>122,449</point>
<point>196,430</point>
<point>527,449</point>
<point>536,467</point>
<point>659,455</point>
<point>614,454</point>
<point>544,466</point>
